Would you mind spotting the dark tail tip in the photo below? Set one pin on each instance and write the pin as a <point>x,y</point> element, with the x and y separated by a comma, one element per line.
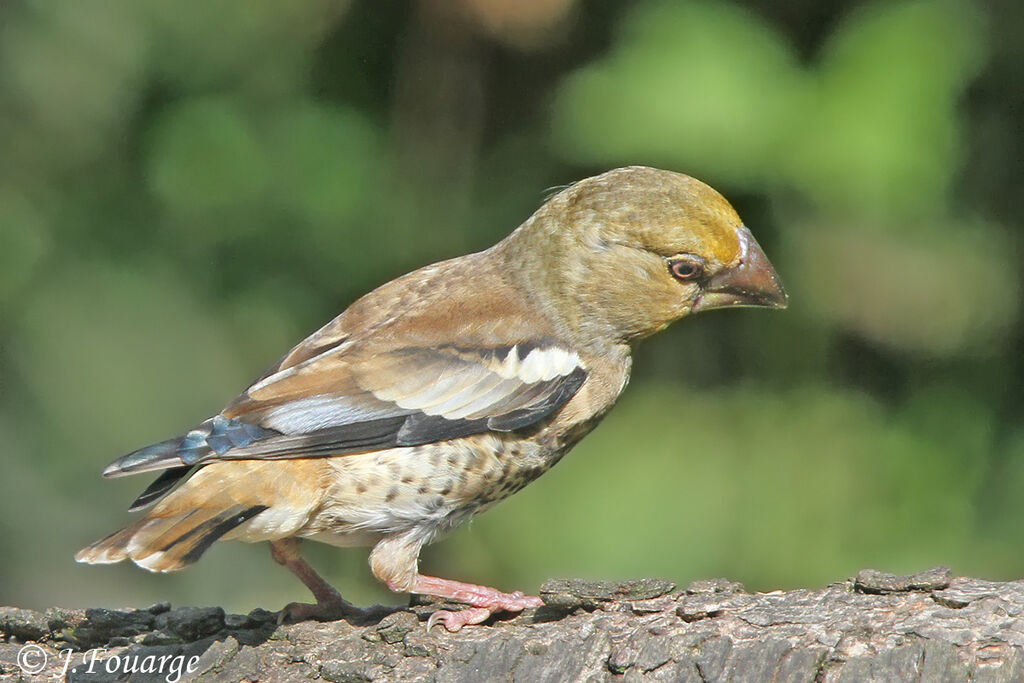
<point>155,457</point>
<point>212,438</point>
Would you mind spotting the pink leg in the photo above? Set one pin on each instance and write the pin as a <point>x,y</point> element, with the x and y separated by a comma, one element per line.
<point>483,601</point>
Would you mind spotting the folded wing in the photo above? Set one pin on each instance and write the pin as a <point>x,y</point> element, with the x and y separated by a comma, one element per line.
<point>342,402</point>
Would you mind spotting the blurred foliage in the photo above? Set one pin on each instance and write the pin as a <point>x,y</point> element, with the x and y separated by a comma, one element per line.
<point>187,190</point>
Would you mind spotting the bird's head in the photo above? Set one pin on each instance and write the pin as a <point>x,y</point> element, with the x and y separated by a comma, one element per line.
<point>627,252</point>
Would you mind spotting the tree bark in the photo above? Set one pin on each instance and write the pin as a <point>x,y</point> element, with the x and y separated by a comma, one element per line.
<point>877,627</point>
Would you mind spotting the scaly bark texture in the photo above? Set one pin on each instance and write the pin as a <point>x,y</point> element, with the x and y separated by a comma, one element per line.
<point>876,627</point>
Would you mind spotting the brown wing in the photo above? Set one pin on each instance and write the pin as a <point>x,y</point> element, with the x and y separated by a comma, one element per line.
<point>420,360</point>
<point>405,397</point>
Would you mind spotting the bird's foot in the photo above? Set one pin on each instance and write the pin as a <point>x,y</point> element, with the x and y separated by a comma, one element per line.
<point>453,621</point>
<point>482,601</point>
<point>329,606</point>
<point>331,609</point>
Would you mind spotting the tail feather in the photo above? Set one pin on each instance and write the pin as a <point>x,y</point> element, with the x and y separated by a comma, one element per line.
<point>110,549</point>
<point>166,544</point>
<point>167,480</point>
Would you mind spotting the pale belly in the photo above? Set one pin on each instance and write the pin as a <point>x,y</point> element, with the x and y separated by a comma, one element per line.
<point>434,487</point>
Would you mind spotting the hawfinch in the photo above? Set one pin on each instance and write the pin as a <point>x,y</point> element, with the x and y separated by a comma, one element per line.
<point>444,391</point>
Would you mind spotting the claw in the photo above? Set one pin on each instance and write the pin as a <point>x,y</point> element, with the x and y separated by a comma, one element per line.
<point>454,621</point>
<point>436,617</point>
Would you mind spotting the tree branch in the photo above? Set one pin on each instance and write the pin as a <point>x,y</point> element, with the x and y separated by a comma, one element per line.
<point>925,627</point>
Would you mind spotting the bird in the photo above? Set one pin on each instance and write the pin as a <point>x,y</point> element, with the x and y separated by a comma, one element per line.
<point>444,391</point>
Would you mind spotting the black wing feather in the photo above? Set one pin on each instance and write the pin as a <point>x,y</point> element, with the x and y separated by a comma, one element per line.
<point>167,480</point>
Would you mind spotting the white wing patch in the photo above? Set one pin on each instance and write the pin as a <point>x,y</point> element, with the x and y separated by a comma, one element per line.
<point>489,381</point>
<point>540,365</point>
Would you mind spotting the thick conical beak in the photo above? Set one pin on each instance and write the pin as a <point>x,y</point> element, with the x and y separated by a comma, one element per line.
<point>752,282</point>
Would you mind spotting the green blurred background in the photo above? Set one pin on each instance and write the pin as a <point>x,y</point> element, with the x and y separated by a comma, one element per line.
<point>187,189</point>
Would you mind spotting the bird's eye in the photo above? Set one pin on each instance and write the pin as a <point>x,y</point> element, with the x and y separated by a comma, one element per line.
<point>685,269</point>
